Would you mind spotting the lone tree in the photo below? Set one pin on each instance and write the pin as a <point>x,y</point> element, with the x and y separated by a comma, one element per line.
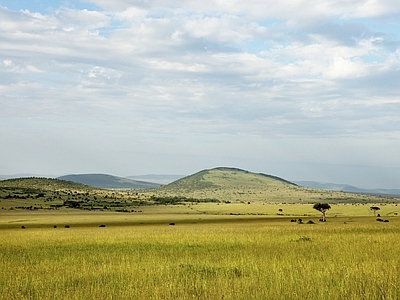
<point>322,207</point>
<point>375,209</point>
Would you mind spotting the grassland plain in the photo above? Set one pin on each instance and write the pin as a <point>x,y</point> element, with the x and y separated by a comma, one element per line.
<point>189,212</point>
<point>242,247</point>
<point>201,257</point>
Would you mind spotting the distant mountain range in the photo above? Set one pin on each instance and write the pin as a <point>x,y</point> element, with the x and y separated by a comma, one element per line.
<point>109,182</point>
<point>157,178</point>
<point>25,175</point>
<point>151,181</point>
<point>346,188</point>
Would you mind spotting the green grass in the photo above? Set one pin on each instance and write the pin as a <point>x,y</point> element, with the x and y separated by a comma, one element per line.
<point>239,249</point>
<point>190,213</point>
<point>250,258</point>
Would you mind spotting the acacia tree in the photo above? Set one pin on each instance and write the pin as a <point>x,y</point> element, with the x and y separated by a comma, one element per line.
<point>322,207</point>
<point>375,209</point>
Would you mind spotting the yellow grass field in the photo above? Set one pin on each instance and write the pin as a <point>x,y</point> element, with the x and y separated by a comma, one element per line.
<point>226,251</point>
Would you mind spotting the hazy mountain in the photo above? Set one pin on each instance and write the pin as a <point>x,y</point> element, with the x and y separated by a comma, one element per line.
<point>157,178</point>
<point>25,175</point>
<point>346,188</point>
<point>108,181</point>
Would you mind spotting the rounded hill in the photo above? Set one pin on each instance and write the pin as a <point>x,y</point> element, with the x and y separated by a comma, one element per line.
<point>236,185</point>
<point>227,179</point>
<point>231,184</point>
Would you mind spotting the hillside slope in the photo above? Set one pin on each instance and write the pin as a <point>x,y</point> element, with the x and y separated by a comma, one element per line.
<point>236,185</point>
<point>108,181</point>
<point>47,184</point>
<point>227,179</point>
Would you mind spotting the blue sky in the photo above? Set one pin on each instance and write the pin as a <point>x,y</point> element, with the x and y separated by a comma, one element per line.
<point>49,6</point>
<point>304,90</point>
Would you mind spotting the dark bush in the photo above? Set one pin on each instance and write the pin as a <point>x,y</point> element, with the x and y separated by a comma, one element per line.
<point>72,204</point>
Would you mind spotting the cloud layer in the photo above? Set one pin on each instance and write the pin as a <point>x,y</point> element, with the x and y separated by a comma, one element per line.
<point>129,87</point>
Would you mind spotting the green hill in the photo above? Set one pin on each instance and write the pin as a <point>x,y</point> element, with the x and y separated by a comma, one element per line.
<point>109,182</point>
<point>46,184</point>
<point>226,179</point>
<point>236,185</point>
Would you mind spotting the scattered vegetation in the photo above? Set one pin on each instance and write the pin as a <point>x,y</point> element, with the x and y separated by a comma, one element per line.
<point>221,186</point>
<point>262,259</point>
<point>179,200</point>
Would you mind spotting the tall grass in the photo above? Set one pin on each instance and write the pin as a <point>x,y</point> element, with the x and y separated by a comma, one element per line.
<point>259,260</point>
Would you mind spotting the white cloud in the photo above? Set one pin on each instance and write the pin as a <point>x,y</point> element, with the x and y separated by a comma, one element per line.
<point>304,10</point>
<point>163,74</point>
<point>374,8</point>
<point>131,14</point>
<point>341,67</point>
<point>81,19</point>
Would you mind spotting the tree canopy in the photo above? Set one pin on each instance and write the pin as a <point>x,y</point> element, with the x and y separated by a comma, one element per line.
<point>322,207</point>
<point>375,209</point>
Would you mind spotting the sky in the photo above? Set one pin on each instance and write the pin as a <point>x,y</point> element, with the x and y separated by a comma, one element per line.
<point>300,89</point>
